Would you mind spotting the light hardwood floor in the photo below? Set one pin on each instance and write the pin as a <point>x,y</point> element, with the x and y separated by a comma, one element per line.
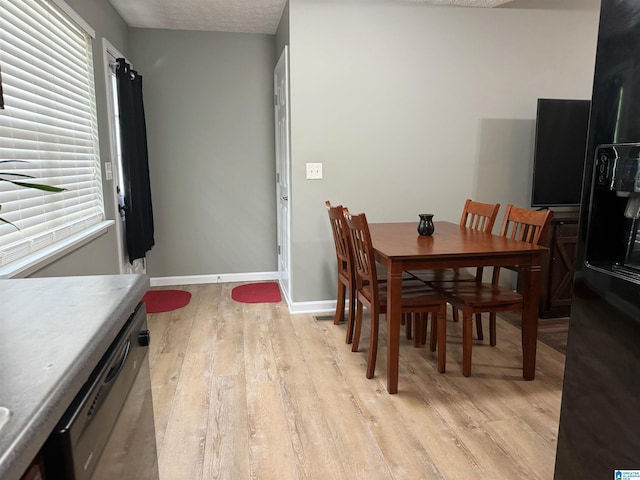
<point>248,391</point>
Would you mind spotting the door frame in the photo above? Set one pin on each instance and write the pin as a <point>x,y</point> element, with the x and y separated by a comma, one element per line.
<point>113,167</point>
<point>283,175</point>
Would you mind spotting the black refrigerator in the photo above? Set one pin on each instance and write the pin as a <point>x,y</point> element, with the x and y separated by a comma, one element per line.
<point>599,433</point>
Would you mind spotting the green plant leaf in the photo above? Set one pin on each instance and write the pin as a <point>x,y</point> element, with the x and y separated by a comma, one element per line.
<point>7,221</point>
<point>21,175</point>
<point>37,186</point>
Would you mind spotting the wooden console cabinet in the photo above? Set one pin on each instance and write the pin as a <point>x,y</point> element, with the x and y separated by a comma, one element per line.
<point>559,265</point>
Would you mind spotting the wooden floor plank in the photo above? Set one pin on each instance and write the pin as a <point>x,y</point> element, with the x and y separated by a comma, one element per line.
<point>182,450</point>
<point>226,451</point>
<point>270,447</point>
<point>165,375</point>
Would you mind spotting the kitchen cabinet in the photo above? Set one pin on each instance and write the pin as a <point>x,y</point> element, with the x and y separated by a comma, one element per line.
<point>54,333</point>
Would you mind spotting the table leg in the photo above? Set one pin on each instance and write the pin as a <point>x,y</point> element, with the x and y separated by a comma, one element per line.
<point>467,341</point>
<point>394,314</point>
<point>531,294</point>
<point>442,338</point>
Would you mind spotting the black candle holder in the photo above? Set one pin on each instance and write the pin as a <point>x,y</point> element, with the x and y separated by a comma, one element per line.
<point>425,226</point>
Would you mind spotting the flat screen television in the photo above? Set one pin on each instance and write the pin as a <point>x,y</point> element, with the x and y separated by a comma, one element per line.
<point>558,160</point>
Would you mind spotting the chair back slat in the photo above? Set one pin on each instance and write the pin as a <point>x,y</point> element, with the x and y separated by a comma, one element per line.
<point>362,248</point>
<point>479,216</point>
<point>340,237</point>
<point>525,225</point>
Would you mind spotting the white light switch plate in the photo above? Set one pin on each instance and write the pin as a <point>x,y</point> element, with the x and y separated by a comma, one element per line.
<point>314,171</point>
<point>108,171</point>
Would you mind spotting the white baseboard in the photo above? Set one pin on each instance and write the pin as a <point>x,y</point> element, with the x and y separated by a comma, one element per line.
<point>294,307</point>
<point>221,278</point>
<point>313,307</point>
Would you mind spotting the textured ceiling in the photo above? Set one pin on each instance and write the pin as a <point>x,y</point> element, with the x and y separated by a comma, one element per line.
<point>247,16</point>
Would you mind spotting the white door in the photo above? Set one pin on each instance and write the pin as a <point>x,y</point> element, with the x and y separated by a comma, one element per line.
<point>114,167</point>
<point>283,163</point>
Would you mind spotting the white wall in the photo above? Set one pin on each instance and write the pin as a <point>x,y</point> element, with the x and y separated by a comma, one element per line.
<point>413,108</point>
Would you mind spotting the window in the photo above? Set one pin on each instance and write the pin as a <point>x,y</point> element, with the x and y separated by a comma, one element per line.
<point>48,128</point>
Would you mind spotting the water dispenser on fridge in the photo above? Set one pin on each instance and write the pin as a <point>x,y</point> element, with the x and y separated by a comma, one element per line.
<point>613,240</point>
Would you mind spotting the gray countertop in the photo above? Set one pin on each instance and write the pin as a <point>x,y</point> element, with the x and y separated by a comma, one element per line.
<point>53,332</point>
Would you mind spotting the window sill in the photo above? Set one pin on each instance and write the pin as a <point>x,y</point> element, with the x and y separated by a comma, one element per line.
<point>31,263</point>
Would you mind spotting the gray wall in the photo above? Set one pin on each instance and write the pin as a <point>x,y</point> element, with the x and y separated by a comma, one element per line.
<point>414,107</point>
<point>101,255</point>
<point>210,127</point>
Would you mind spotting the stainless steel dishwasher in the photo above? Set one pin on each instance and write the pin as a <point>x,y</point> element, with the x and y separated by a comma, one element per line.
<point>108,431</point>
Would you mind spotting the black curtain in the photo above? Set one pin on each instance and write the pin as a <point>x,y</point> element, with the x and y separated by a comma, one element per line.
<point>135,162</point>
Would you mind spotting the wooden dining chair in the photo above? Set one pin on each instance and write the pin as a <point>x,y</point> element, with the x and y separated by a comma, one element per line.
<point>417,298</point>
<point>346,275</point>
<point>475,298</point>
<point>477,216</point>
<point>346,278</point>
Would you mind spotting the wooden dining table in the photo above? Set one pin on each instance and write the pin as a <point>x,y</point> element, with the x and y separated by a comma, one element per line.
<point>399,247</point>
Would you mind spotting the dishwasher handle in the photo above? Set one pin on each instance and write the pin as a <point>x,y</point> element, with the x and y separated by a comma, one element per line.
<point>117,366</point>
<point>102,392</point>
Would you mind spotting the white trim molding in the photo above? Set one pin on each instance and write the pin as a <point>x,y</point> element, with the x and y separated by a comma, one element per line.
<point>64,6</point>
<point>313,307</point>
<point>215,278</point>
<point>41,258</point>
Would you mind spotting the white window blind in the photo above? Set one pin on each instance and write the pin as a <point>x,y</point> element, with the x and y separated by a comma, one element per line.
<point>48,126</point>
